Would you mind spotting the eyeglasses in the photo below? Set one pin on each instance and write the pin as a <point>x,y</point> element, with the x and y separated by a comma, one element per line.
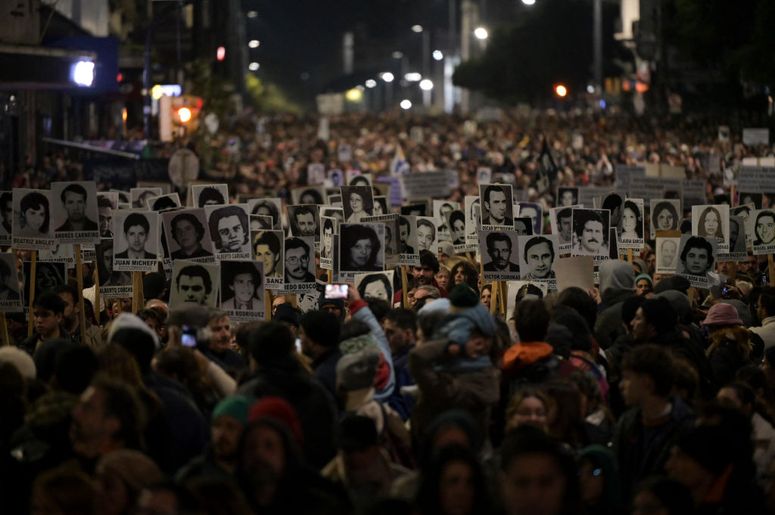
<point>293,260</point>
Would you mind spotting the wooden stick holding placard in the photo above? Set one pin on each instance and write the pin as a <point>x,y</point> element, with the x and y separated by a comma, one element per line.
<point>771,269</point>
<point>330,276</point>
<point>268,304</point>
<point>31,300</point>
<point>504,298</point>
<point>137,291</point>
<point>79,280</point>
<point>629,256</point>
<point>494,287</point>
<point>4,330</point>
<point>97,310</point>
<point>404,288</point>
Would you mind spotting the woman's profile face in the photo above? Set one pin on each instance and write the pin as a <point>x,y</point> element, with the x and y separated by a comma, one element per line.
<point>711,223</point>
<point>35,217</point>
<point>356,202</point>
<point>629,220</point>
<point>665,220</point>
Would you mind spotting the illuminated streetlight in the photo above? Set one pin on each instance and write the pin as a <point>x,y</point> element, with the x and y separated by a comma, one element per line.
<point>413,77</point>
<point>438,55</point>
<point>481,33</point>
<point>387,77</point>
<point>406,104</point>
<point>254,43</point>
<point>354,95</point>
<point>371,83</point>
<point>184,114</point>
<point>252,14</point>
<point>560,90</point>
<point>82,73</point>
<point>417,28</point>
<point>529,2</point>
<point>254,66</point>
<point>397,54</point>
<point>426,84</point>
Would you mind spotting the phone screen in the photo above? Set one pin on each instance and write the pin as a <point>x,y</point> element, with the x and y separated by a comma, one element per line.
<point>188,337</point>
<point>336,291</point>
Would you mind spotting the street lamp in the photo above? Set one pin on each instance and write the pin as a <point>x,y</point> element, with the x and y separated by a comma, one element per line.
<point>370,83</point>
<point>413,77</point>
<point>406,104</point>
<point>254,43</point>
<point>438,55</point>
<point>417,28</point>
<point>561,90</point>
<point>481,33</point>
<point>397,54</point>
<point>252,14</point>
<point>529,2</point>
<point>254,66</point>
<point>426,84</point>
<point>387,77</point>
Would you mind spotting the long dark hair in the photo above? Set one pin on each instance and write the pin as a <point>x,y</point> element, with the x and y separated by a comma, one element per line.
<point>429,490</point>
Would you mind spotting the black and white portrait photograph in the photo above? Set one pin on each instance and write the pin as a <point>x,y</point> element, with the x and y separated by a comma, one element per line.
<point>261,223</point>
<point>456,224</point>
<point>32,223</point>
<point>57,253</point>
<point>500,254</point>
<point>356,178</point>
<point>299,258</point>
<point>316,174</point>
<point>590,232</point>
<point>303,220</point>
<point>560,219</point>
<point>712,222</point>
<point>74,212</point>
<point>738,239</point>
<point>441,211</point>
<point>537,255</point>
<point>194,283</point>
<point>268,207</point>
<point>473,214</point>
<point>204,195</point>
<point>230,231</point>
<point>358,203</point>
<point>665,215</point>
<point>139,196</point>
<point>523,226</point>
<point>268,249</point>
<point>6,217</point>
<point>328,228</point>
<point>696,258</point>
<point>107,204</point>
<point>427,235</point>
<point>337,213</point>
<point>375,286</point>
<point>361,247</point>
<point>631,225</point>
<point>242,290</point>
<point>381,206</point>
<point>188,234</point>
<point>415,209</point>
<point>135,240</point>
<point>309,195</point>
<point>335,199</point>
<point>163,202</point>
<point>524,290</point>
<point>763,223</point>
<point>113,283</point>
<point>497,206</point>
<point>667,254</point>
<point>613,203</point>
<point>750,198</point>
<point>48,277</point>
<point>407,234</point>
<point>335,178</point>
<point>567,196</point>
<point>535,212</point>
<point>483,175</point>
<point>10,289</point>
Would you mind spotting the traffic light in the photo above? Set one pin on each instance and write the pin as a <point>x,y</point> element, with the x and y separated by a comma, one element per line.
<point>178,116</point>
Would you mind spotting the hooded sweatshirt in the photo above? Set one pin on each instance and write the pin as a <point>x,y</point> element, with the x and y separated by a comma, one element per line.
<point>617,283</point>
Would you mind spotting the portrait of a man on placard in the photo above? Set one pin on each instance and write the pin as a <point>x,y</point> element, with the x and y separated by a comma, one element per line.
<point>194,283</point>
<point>76,202</point>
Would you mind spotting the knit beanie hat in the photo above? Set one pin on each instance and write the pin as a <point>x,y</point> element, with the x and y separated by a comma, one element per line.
<point>134,468</point>
<point>357,370</point>
<point>131,321</point>
<point>20,359</point>
<point>678,301</point>
<point>235,406</point>
<point>644,276</point>
<point>465,302</point>
<point>279,410</point>
<point>357,343</point>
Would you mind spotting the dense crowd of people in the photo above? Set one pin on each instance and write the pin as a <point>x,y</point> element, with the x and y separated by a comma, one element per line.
<point>643,395</point>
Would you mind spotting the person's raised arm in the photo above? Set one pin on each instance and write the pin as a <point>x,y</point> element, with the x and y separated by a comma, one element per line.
<point>359,310</point>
